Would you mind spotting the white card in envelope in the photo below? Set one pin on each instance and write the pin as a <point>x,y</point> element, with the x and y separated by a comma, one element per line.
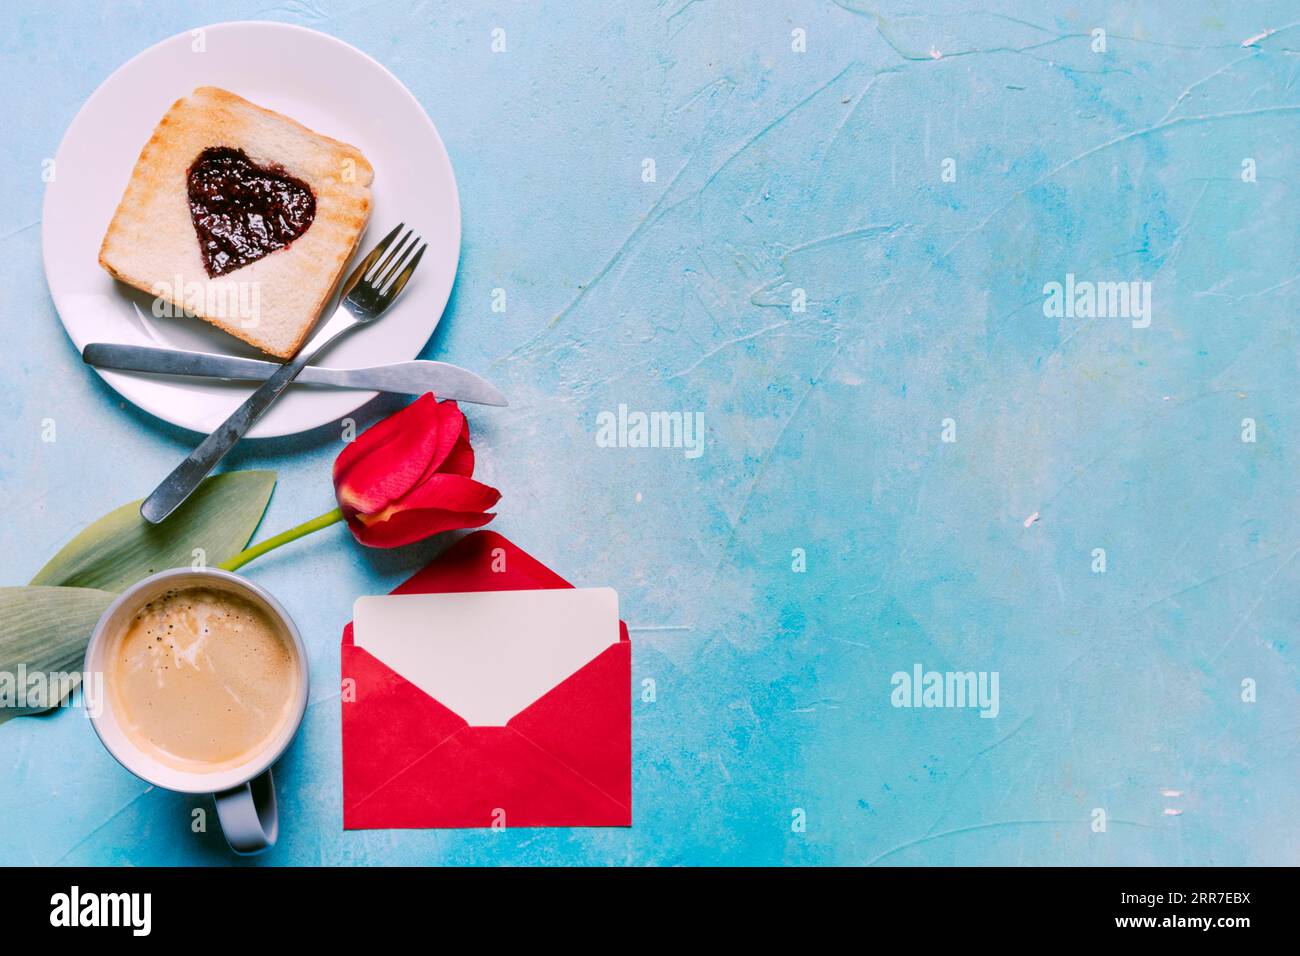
<point>487,654</point>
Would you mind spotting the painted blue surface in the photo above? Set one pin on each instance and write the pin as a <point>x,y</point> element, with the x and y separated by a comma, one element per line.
<point>776,171</point>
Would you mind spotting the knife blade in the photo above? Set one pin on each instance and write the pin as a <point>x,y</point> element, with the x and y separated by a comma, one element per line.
<point>406,378</point>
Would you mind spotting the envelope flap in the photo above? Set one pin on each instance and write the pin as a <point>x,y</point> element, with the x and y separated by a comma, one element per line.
<point>400,723</point>
<point>482,561</point>
<point>586,722</point>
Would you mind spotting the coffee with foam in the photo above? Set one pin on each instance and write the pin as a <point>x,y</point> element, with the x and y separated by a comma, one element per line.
<point>202,678</point>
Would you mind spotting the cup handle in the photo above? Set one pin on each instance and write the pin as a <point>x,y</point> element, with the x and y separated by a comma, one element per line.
<point>248,814</point>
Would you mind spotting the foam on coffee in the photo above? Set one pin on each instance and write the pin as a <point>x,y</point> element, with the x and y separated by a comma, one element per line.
<point>202,678</point>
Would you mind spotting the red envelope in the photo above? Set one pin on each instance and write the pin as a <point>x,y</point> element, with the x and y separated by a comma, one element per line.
<point>563,761</point>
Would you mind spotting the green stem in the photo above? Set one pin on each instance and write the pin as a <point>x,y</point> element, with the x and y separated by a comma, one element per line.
<point>284,537</point>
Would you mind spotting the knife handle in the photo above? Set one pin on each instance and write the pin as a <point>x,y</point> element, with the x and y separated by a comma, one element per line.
<point>180,484</point>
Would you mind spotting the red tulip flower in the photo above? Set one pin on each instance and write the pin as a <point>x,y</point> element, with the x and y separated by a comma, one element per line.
<point>408,477</point>
<point>401,480</point>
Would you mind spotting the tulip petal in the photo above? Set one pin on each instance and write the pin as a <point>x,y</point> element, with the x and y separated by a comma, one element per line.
<point>389,458</point>
<point>407,527</point>
<point>443,492</point>
<point>460,460</point>
<point>443,503</point>
<point>452,453</point>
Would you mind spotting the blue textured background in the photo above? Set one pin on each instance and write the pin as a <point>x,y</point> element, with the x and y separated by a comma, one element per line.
<point>779,170</point>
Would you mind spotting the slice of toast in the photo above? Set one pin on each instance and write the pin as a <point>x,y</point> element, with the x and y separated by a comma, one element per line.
<point>273,301</point>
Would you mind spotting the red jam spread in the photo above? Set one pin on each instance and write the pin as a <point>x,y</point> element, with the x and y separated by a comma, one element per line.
<point>242,211</point>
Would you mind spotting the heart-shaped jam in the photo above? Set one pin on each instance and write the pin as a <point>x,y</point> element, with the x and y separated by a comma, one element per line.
<point>242,211</point>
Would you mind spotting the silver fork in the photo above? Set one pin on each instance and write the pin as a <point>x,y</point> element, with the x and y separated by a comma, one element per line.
<point>367,292</point>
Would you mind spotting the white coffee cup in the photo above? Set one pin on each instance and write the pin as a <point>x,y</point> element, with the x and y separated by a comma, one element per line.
<point>245,793</point>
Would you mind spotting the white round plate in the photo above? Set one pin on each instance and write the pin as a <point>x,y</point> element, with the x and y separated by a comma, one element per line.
<point>321,82</point>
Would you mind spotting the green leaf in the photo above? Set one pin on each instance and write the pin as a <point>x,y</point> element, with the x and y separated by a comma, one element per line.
<point>45,629</point>
<point>121,547</point>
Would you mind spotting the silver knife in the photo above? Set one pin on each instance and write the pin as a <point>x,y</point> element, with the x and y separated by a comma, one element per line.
<point>406,378</point>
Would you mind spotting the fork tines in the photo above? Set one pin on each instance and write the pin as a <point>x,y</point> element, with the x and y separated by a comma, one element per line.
<point>385,279</point>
